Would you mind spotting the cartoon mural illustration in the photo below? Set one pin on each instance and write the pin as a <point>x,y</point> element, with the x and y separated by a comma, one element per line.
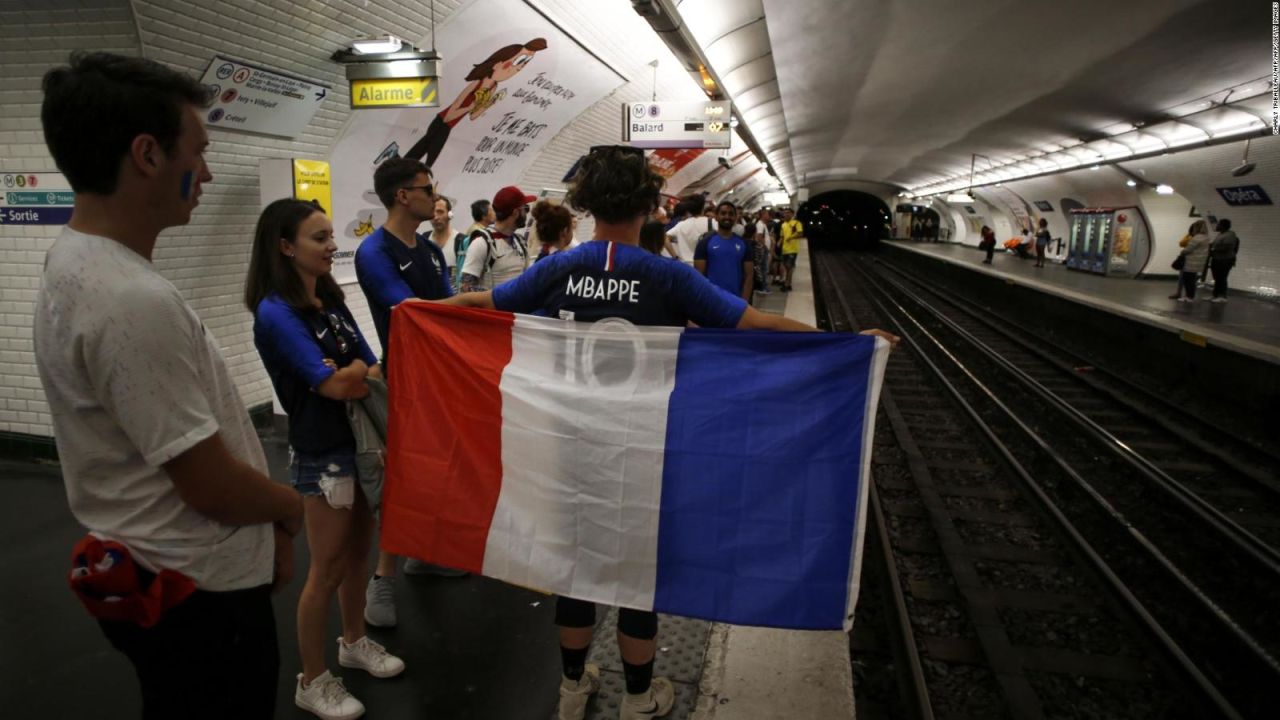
<point>480,94</point>
<point>513,88</point>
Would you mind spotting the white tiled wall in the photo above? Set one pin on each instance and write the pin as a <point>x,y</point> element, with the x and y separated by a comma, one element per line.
<point>32,41</point>
<point>207,259</point>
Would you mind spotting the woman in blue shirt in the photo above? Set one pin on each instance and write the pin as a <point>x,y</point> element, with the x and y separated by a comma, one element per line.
<point>616,185</point>
<point>317,359</point>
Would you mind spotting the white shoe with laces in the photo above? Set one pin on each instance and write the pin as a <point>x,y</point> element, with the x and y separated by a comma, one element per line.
<point>326,697</point>
<point>365,654</point>
<point>656,702</point>
<point>575,694</point>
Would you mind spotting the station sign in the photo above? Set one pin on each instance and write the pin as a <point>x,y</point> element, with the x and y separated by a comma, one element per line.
<point>1244,195</point>
<point>248,98</point>
<point>395,92</point>
<point>35,198</point>
<point>677,124</point>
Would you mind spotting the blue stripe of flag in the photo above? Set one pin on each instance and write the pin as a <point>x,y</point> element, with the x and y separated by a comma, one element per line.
<point>761,473</point>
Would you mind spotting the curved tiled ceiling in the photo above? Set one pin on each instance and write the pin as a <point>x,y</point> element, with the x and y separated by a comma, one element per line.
<point>734,37</point>
<point>904,91</point>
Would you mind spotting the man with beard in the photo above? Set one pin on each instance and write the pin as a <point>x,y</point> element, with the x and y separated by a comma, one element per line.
<point>497,254</point>
<point>724,257</point>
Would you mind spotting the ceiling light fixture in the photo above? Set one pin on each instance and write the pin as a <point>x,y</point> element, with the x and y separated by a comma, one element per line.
<point>377,46</point>
<point>1131,183</point>
<point>1163,189</point>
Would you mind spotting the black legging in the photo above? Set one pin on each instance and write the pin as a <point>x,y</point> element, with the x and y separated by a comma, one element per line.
<point>1221,268</point>
<point>1189,283</point>
<point>429,146</point>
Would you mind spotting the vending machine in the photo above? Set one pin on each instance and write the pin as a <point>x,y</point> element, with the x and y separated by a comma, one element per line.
<point>1108,241</point>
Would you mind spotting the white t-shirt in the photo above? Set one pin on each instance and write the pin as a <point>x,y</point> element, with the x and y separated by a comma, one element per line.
<point>134,380</point>
<point>686,234</point>
<point>508,260</point>
<point>762,231</point>
<point>448,248</point>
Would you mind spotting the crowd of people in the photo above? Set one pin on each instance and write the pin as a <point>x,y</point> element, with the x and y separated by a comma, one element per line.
<point>188,535</point>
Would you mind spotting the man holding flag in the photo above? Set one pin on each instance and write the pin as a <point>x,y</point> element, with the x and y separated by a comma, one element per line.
<point>601,485</point>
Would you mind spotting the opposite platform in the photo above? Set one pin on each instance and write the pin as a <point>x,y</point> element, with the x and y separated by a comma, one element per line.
<point>1245,324</point>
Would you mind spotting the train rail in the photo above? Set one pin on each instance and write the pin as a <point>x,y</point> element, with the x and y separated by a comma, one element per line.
<point>993,528</point>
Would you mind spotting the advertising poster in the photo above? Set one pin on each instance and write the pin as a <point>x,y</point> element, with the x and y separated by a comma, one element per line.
<point>511,81</point>
<point>669,161</point>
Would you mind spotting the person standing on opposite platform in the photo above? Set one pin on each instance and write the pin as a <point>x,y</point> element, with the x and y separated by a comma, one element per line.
<point>317,359</point>
<point>1194,256</point>
<point>1042,241</point>
<point>987,243</point>
<point>1222,257</point>
<point>159,457</point>
<point>393,264</point>
<point>617,186</point>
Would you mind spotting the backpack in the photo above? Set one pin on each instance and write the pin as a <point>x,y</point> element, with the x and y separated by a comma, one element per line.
<point>491,256</point>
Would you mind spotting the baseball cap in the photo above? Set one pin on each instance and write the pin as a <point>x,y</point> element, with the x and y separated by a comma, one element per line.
<point>509,198</point>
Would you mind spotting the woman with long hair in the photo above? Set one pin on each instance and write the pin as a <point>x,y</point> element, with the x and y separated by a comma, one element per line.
<point>1194,257</point>
<point>317,359</point>
<point>476,98</point>
<point>988,243</point>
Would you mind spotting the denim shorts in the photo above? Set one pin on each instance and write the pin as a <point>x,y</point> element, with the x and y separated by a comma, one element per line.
<point>306,469</point>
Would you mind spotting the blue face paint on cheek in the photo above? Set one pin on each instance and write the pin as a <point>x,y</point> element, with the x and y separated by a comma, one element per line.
<point>188,180</point>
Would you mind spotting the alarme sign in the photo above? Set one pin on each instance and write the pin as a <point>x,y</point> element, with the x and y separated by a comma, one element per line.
<point>1244,195</point>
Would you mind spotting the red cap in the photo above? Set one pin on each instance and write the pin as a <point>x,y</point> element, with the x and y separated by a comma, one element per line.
<point>509,198</point>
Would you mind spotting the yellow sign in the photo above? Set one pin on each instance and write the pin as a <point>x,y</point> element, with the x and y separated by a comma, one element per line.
<point>395,92</point>
<point>311,182</point>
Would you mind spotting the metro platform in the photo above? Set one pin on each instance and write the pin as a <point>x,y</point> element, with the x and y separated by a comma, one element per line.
<point>474,648</point>
<point>1246,324</point>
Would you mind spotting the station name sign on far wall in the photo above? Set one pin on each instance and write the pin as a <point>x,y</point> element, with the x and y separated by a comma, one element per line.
<point>1244,195</point>
<point>677,124</point>
<point>244,97</point>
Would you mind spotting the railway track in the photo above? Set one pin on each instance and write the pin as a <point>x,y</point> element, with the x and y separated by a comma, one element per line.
<point>1014,587</point>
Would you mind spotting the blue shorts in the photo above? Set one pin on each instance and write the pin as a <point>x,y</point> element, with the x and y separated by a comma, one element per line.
<point>305,470</point>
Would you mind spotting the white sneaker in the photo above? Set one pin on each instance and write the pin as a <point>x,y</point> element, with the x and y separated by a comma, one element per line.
<point>1185,300</point>
<point>380,602</point>
<point>654,703</point>
<point>574,695</point>
<point>365,654</point>
<point>1218,300</point>
<point>326,697</point>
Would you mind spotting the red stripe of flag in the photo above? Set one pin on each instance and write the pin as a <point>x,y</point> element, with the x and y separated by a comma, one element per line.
<point>444,435</point>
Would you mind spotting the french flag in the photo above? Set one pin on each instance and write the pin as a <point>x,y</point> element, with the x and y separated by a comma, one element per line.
<point>717,474</point>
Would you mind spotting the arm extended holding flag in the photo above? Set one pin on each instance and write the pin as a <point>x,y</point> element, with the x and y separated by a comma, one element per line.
<point>752,319</point>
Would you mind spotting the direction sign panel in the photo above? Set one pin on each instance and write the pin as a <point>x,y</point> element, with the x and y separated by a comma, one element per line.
<point>245,97</point>
<point>35,198</point>
<point>680,124</point>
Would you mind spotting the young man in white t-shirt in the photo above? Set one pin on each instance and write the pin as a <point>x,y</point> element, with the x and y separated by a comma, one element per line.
<point>499,253</point>
<point>158,453</point>
<point>689,231</point>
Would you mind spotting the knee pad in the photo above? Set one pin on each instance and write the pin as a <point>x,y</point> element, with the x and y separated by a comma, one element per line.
<point>639,624</point>
<point>572,613</point>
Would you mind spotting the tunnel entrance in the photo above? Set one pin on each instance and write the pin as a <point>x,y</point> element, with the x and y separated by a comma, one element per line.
<point>845,218</point>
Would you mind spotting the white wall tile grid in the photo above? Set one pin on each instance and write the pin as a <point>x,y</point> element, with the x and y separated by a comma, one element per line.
<point>207,259</point>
